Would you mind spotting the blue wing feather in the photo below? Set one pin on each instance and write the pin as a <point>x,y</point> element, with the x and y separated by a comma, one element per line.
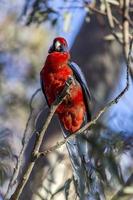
<point>81,79</point>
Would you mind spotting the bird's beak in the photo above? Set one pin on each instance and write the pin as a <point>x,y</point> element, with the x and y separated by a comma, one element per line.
<point>57,45</point>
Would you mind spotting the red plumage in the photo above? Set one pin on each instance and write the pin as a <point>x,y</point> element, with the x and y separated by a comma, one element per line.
<point>54,74</point>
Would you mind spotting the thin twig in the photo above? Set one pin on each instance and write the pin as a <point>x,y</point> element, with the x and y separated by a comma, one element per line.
<point>109,15</point>
<point>93,122</point>
<point>24,144</point>
<point>111,21</point>
<point>126,27</point>
<point>30,114</point>
<point>51,170</point>
<point>38,141</point>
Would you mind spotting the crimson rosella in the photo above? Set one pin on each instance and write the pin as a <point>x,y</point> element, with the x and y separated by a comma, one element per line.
<point>73,112</point>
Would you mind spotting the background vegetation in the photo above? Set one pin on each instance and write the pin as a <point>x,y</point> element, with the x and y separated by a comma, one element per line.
<point>101,48</point>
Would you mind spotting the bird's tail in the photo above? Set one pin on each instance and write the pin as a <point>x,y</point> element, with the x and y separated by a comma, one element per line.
<point>87,182</point>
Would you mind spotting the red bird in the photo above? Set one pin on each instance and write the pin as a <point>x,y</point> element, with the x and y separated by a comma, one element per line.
<point>54,74</point>
<point>73,112</point>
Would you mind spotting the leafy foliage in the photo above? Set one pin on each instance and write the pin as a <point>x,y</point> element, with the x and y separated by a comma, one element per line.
<point>40,11</point>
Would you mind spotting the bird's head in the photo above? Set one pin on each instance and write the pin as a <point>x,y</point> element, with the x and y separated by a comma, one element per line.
<point>59,45</point>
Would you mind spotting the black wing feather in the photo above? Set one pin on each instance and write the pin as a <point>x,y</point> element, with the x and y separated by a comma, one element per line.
<point>80,78</point>
<point>43,90</point>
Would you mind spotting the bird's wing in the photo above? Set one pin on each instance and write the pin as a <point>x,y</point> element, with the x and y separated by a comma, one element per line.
<point>43,90</point>
<point>80,78</point>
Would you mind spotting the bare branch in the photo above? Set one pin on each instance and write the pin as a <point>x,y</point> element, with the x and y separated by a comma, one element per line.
<point>111,21</point>
<point>125,27</point>
<point>109,15</point>
<point>39,139</point>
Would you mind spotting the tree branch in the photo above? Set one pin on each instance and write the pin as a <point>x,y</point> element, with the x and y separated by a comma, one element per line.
<point>111,21</point>
<point>125,27</point>
<point>39,139</point>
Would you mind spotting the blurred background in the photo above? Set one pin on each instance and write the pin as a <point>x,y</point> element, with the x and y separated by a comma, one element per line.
<point>27,29</point>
